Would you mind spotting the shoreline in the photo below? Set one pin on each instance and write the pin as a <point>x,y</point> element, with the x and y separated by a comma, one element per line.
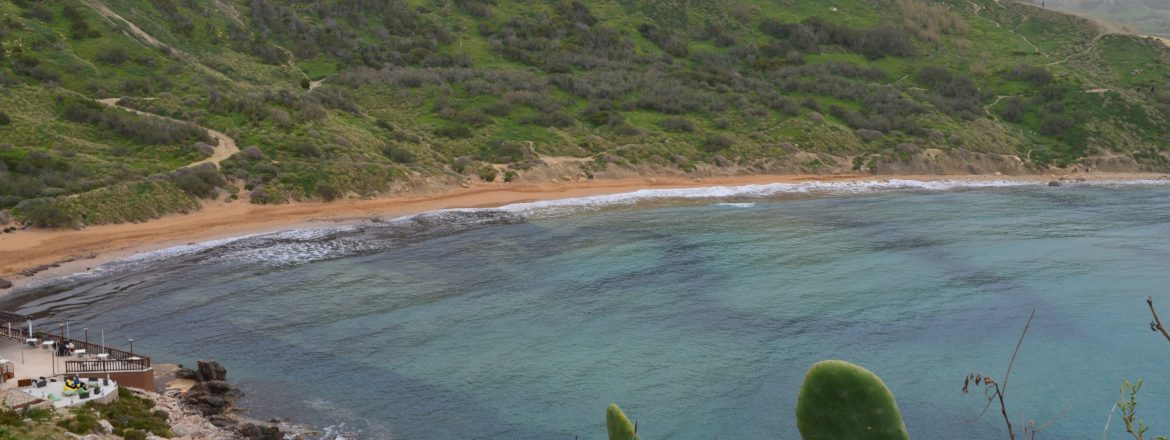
<point>74,251</point>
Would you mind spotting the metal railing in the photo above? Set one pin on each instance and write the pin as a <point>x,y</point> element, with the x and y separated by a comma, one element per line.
<point>116,360</point>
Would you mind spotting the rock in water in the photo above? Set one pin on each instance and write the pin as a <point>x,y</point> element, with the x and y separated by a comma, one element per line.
<point>256,432</point>
<point>1054,183</point>
<point>210,370</point>
<point>4,284</point>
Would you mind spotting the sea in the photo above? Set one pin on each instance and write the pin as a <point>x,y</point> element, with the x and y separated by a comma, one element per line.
<point>698,311</point>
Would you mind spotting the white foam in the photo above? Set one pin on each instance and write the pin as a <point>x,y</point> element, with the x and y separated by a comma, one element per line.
<point>569,206</point>
<point>736,205</point>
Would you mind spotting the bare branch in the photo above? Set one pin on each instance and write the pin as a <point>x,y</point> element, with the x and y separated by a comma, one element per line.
<point>1017,350</point>
<point>1157,324</point>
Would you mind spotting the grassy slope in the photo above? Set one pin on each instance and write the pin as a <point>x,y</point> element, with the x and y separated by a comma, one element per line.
<point>440,88</point>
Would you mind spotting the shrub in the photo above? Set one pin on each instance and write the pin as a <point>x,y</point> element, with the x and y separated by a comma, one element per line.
<point>509,176</point>
<point>677,125</point>
<point>487,173</point>
<point>252,153</point>
<point>5,119</point>
<point>399,154</point>
<point>1013,109</point>
<point>328,192</point>
<point>719,142</point>
<point>201,181</point>
<point>45,212</point>
<point>132,413</point>
<point>83,422</point>
<point>457,132</point>
<point>114,55</point>
<point>461,164</point>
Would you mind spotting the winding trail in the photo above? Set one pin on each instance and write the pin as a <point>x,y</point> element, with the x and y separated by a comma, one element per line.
<point>136,32</point>
<point>987,108</point>
<point>979,8</point>
<point>225,146</point>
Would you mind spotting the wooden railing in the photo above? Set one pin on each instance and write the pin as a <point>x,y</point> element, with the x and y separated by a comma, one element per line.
<point>118,360</point>
<point>100,366</point>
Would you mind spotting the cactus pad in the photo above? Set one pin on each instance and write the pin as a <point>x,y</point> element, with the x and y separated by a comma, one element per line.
<point>618,425</point>
<point>842,401</point>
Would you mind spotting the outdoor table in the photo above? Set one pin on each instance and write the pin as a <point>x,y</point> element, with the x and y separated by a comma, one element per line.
<point>31,341</point>
<point>46,344</point>
<point>79,353</point>
<point>102,355</point>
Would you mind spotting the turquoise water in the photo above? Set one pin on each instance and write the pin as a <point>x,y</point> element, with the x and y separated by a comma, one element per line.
<point>698,316</point>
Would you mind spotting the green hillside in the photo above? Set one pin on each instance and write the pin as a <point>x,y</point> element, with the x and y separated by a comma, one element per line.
<point>489,89</point>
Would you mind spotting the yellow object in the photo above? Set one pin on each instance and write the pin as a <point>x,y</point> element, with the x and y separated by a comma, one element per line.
<point>74,383</point>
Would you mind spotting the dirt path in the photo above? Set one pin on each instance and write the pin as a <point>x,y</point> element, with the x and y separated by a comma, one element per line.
<point>314,84</point>
<point>137,32</point>
<point>225,148</point>
<point>979,8</point>
<point>987,108</point>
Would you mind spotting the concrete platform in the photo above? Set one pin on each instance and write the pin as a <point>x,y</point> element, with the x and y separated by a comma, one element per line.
<point>108,393</point>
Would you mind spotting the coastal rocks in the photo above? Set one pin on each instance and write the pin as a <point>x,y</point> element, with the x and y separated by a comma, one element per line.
<point>1054,183</point>
<point>256,432</point>
<point>4,284</point>
<point>210,370</point>
<point>185,424</point>
<point>214,398</point>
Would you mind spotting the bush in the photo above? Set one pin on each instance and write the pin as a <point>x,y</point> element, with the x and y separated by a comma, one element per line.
<point>83,422</point>
<point>328,192</point>
<point>134,434</point>
<point>399,154</point>
<point>461,164</point>
<point>114,55</point>
<point>509,176</point>
<point>719,142</point>
<point>132,413</point>
<point>487,173</point>
<point>45,213</point>
<point>677,125</point>
<point>4,119</point>
<point>457,132</point>
<point>201,181</point>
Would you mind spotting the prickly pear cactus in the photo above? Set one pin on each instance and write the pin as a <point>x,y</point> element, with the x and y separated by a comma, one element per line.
<point>618,425</point>
<point>842,401</point>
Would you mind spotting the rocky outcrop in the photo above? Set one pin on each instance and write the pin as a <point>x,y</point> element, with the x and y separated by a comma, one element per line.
<point>210,370</point>
<point>186,423</point>
<point>4,284</point>
<point>214,398</point>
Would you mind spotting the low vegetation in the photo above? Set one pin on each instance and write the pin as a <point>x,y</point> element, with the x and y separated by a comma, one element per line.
<point>410,88</point>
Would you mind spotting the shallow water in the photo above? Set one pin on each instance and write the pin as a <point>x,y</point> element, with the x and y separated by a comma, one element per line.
<point>698,316</point>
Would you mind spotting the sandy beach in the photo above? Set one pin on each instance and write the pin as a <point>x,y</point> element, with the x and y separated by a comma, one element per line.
<point>73,251</point>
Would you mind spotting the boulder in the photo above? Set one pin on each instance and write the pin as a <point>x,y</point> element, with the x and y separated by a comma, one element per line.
<point>1054,183</point>
<point>222,421</point>
<point>218,387</point>
<point>186,373</point>
<point>210,370</point>
<point>255,432</point>
<point>4,284</point>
